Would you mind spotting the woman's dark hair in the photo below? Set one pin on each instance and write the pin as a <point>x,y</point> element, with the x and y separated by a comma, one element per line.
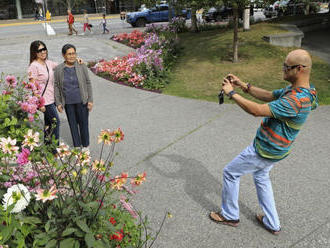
<point>66,47</point>
<point>34,49</point>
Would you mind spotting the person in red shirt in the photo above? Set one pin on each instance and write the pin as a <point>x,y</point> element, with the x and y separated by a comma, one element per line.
<point>70,21</point>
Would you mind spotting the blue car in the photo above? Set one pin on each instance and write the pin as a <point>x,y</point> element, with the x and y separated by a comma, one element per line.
<point>159,13</point>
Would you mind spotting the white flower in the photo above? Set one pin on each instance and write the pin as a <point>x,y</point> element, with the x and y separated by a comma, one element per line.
<point>63,150</point>
<point>31,139</point>
<point>8,145</point>
<point>19,195</point>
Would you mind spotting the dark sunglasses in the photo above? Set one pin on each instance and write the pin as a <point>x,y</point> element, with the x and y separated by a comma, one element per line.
<point>290,67</point>
<point>41,49</point>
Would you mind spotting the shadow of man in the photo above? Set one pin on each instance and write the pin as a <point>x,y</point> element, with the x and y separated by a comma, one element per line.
<point>198,182</point>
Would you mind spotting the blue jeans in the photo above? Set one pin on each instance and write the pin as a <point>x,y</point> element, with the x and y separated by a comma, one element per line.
<point>51,119</point>
<point>77,115</point>
<point>249,162</point>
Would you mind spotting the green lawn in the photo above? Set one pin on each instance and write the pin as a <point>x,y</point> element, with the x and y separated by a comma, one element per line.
<point>206,58</point>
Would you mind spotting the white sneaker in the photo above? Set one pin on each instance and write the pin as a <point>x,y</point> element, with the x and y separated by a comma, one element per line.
<point>85,149</point>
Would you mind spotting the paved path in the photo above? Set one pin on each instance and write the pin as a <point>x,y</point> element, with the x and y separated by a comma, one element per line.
<point>184,144</point>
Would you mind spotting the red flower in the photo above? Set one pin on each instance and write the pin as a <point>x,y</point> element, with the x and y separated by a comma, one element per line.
<point>112,220</point>
<point>117,236</point>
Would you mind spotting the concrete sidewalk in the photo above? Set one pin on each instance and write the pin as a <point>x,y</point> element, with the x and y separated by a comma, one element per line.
<point>29,21</point>
<point>184,144</point>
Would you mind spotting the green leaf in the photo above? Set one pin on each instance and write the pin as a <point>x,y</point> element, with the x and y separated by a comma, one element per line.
<point>52,243</point>
<point>31,220</point>
<point>83,226</point>
<point>66,243</point>
<point>90,240</point>
<point>47,226</point>
<point>68,231</point>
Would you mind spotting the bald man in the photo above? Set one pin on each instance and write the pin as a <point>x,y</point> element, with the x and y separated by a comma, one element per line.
<point>285,112</point>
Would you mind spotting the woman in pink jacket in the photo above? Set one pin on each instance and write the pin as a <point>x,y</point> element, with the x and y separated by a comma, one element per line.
<point>41,70</point>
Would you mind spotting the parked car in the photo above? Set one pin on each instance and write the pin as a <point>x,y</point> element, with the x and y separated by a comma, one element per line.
<point>298,7</point>
<point>4,14</point>
<point>270,11</point>
<point>218,14</point>
<point>159,13</point>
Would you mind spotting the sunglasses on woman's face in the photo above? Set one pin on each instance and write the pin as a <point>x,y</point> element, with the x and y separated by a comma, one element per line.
<point>42,49</point>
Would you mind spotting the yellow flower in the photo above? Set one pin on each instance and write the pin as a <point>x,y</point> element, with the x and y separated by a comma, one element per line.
<point>105,137</point>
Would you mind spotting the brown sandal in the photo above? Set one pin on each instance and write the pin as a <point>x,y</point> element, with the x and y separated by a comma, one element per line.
<point>259,218</point>
<point>218,218</point>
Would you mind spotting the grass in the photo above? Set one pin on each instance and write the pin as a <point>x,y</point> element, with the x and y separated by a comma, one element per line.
<point>206,59</point>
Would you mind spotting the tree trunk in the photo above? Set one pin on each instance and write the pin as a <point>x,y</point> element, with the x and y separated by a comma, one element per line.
<point>19,9</point>
<point>68,4</point>
<point>307,9</point>
<point>235,40</point>
<point>194,26</point>
<point>170,10</point>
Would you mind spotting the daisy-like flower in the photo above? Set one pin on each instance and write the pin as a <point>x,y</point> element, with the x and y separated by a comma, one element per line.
<point>105,137</point>
<point>8,146</point>
<point>11,81</point>
<point>31,139</point>
<point>84,157</point>
<point>118,135</point>
<point>139,179</point>
<point>63,150</point>
<point>98,165</point>
<point>119,181</point>
<point>19,195</point>
<point>46,195</point>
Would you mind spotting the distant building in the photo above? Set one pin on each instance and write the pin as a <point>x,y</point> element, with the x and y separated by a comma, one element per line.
<point>8,8</point>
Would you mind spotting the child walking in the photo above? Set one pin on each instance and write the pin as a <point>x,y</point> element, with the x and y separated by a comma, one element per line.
<point>86,23</point>
<point>104,22</point>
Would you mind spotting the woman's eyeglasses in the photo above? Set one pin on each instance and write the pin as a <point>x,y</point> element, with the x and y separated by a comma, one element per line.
<point>41,50</point>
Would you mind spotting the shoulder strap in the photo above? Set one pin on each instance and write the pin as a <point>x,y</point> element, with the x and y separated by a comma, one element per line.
<point>47,81</point>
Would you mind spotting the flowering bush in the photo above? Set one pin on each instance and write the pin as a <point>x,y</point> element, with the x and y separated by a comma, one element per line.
<point>67,200</point>
<point>19,101</point>
<point>147,66</point>
<point>134,39</point>
<point>178,25</point>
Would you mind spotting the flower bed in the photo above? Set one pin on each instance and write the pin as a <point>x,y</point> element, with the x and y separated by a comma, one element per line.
<point>70,200</point>
<point>145,68</point>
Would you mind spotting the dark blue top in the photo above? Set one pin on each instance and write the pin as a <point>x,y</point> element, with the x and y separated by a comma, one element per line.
<point>71,86</point>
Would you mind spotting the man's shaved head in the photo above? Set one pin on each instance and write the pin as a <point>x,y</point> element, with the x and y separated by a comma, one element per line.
<point>298,66</point>
<point>299,57</point>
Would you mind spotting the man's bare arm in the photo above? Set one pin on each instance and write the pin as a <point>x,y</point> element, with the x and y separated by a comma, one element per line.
<point>258,93</point>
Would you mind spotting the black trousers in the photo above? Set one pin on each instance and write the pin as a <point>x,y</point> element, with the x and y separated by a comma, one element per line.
<point>52,123</point>
<point>77,115</point>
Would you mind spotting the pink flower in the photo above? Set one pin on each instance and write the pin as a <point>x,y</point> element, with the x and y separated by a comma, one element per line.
<point>8,184</point>
<point>11,81</point>
<point>128,206</point>
<point>41,102</point>
<point>6,92</point>
<point>31,118</point>
<point>46,195</point>
<point>23,157</point>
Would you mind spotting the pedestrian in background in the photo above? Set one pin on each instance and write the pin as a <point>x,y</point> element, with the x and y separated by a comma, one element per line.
<point>104,23</point>
<point>70,21</point>
<point>86,23</point>
<point>285,113</point>
<point>73,92</point>
<point>41,71</point>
